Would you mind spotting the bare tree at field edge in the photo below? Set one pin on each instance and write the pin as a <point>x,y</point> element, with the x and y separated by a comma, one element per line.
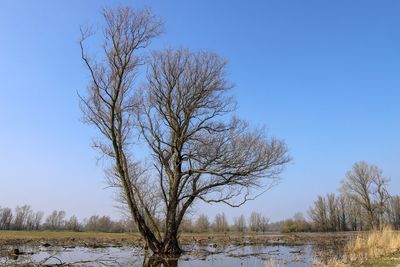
<point>182,114</point>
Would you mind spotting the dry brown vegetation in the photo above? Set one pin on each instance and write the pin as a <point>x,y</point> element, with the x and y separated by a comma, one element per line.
<point>67,238</point>
<point>63,238</point>
<point>373,245</point>
<point>368,246</point>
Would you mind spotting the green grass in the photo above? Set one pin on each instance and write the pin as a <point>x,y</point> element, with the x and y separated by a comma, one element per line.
<point>389,261</point>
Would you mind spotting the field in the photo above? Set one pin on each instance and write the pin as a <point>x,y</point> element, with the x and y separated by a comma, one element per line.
<point>232,238</point>
<point>389,261</point>
<point>240,249</point>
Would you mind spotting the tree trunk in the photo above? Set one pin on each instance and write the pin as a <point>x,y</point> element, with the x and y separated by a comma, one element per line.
<point>171,244</point>
<point>155,261</point>
<point>168,249</point>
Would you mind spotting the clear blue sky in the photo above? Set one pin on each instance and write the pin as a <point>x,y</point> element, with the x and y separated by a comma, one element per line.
<point>323,75</point>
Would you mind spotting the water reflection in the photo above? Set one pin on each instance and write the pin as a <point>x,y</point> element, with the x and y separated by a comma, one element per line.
<point>155,261</point>
<point>221,256</point>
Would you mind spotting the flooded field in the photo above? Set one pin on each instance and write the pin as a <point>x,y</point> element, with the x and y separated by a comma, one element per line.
<point>255,255</point>
<point>208,249</point>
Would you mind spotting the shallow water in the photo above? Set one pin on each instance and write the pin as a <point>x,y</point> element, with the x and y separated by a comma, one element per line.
<point>246,256</point>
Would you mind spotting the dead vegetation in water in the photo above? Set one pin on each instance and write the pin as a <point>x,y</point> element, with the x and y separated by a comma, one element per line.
<point>196,244</point>
<point>97,239</point>
<point>354,248</point>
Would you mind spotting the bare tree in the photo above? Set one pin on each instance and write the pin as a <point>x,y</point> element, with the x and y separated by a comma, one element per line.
<point>21,217</point>
<point>240,223</point>
<point>30,221</point>
<point>202,223</point>
<point>220,223</point>
<point>332,212</point>
<point>109,102</point>
<point>73,224</point>
<point>196,154</point>
<point>354,211</point>
<point>382,196</point>
<point>56,220</point>
<point>319,214</point>
<point>342,213</point>
<point>37,220</point>
<point>6,218</point>
<point>258,222</point>
<point>181,115</point>
<point>364,202</point>
<point>99,224</point>
<point>366,185</point>
<point>394,211</point>
<point>254,221</point>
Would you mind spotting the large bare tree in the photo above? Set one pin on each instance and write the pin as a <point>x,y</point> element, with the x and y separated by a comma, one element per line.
<point>182,114</point>
<point>366,185</point>
<point>319,214</point>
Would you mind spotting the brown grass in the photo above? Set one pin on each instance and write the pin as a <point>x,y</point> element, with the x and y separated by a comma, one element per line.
<point>7,235</point>
<point>367,246</point>
<point>66,238</point>
<point>374,245</point>
<point>98,238</point>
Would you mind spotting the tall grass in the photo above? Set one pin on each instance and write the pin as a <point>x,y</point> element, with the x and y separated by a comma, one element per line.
<point>367,246</point>
<point>373,245</point>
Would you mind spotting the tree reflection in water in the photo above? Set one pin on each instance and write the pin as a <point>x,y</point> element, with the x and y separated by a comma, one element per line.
<point>156,261</point>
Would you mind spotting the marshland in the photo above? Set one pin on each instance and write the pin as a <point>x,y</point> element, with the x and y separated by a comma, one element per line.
<point>199,133</point>
<point>201,249</point>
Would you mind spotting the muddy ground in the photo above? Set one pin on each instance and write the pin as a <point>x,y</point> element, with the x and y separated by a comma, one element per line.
<point>84,239</point>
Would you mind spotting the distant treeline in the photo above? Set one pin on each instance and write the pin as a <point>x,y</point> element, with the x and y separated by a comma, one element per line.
<point>24,218</point>
<point>362,204</point>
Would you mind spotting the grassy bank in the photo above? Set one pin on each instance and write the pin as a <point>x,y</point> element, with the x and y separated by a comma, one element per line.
<point>387,261</point>
<point>375,248</point>
<point>373,245</point>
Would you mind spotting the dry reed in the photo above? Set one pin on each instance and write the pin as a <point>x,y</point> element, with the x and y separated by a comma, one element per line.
<point>366,246</point>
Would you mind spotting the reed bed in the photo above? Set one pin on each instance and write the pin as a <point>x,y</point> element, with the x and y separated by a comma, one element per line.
<point>367,246</point>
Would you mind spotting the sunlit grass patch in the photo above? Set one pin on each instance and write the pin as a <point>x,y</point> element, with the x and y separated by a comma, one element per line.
<point>373,245</point>
<point>368,248</point>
